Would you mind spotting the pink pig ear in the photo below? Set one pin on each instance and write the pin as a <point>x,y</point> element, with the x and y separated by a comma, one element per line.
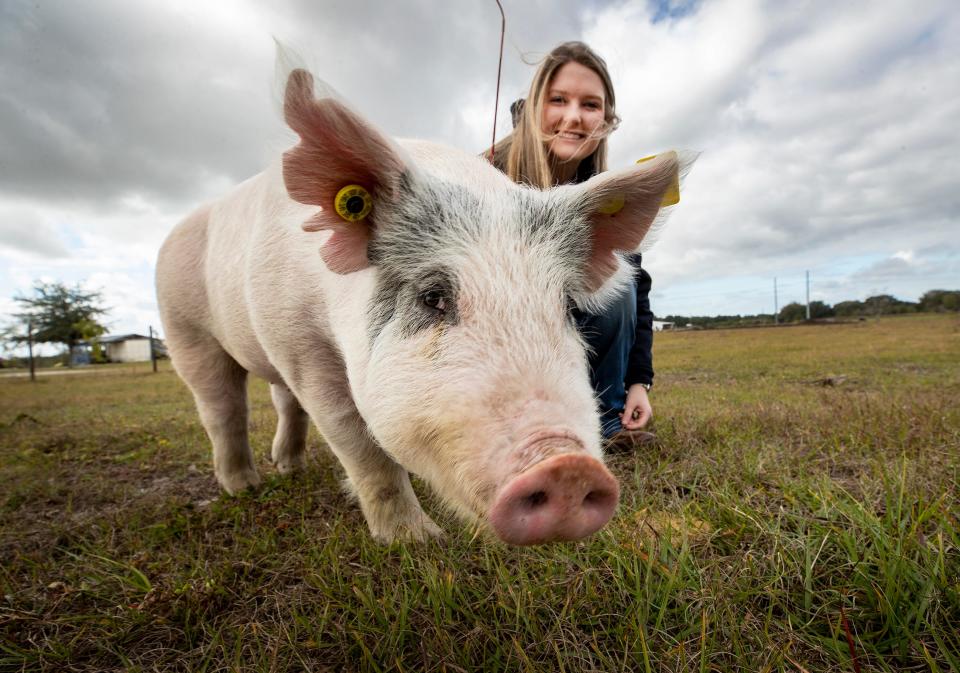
<point>337,148</point>
<point>621,206</point>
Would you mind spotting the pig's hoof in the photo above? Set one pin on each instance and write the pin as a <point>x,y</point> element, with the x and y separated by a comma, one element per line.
<point>240,481</point>
<point>428,531</point>
<point>420,529</point>
<point>290,464</point>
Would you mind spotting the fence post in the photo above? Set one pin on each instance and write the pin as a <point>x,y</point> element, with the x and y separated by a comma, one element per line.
<point>153,351</point>
<point>33,373</point>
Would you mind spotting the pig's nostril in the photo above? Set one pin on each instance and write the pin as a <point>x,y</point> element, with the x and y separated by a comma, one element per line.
<point>597,498</point>
<point>535,499</point>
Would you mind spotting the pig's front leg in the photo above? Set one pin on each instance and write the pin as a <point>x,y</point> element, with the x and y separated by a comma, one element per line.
<point>380,484</point>
<point>386,497</point>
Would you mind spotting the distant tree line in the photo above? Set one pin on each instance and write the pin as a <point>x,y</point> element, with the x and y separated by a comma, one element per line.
<point>933,301</point>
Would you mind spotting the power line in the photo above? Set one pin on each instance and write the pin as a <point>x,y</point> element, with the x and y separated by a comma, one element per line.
<point>789,284</point>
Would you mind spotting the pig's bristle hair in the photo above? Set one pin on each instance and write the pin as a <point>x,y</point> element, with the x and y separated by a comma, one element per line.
<point>686,159</point>
<point>349,489</point>
<point>597,300</point>
<point>288,59</point>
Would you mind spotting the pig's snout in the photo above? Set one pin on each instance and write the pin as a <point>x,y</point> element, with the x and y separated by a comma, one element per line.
<point>566,497</point>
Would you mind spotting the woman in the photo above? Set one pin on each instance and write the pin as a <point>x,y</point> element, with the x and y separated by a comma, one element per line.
<point>560,136</point>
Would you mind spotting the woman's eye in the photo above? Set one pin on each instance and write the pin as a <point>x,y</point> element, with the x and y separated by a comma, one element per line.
<point>435,300</point>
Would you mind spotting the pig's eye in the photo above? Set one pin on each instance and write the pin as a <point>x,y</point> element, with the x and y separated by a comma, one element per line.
<point>435,299</point>
<point>571,310</point>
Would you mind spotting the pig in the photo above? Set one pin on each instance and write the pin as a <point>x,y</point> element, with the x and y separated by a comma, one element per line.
<point>432,337</point>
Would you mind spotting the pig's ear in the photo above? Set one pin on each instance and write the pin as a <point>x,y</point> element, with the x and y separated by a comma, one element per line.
<point>337,148</point>
<point>621,207</point>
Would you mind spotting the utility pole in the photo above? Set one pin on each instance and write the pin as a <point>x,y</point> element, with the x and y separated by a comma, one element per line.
<point>808,295</point>
<point>33,373</point>
<point>776,308</point>
<point>153,351</point>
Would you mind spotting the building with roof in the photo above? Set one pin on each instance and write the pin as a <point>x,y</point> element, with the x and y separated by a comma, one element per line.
<point>130,347</point>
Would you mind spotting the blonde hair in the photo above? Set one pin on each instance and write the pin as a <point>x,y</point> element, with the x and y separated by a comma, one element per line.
<point>523,155</point>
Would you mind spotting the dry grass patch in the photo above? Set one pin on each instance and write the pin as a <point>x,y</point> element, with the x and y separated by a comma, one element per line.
<point>778,525</point>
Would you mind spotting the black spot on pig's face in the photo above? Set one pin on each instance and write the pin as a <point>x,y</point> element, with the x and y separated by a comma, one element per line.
<point>413,305</point>
<point>413,253</point>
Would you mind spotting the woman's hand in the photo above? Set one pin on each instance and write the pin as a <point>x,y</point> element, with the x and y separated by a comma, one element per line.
<point>637,411</point>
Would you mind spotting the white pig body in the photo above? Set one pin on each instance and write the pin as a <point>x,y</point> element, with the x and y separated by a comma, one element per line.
<point>432,337</point>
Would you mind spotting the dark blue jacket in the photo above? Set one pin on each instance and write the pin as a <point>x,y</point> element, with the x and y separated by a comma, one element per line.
<point>640,363</point>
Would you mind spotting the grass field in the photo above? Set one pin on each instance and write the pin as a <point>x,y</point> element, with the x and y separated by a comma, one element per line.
<point>781,524</point>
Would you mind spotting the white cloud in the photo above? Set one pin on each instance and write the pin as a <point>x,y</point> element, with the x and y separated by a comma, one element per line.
<point>828,130</point>
<point>25,233</point>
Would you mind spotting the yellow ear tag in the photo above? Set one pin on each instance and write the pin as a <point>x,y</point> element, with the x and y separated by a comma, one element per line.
<point>613,206</point>
<point>353,203</point>
<point>672,197</point>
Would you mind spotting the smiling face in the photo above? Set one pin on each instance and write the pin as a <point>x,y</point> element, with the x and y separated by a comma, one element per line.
<point>573,113</point>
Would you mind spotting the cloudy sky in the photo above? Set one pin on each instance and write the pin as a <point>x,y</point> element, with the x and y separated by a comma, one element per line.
<point>828,131</point>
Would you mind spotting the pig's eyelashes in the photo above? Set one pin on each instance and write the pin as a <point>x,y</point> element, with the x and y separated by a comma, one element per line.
<point>573,311</point>
<point>435,299</point>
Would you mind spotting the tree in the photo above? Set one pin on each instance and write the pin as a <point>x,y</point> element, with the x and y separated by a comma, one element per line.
<point>940,300</point>
<point>885,304</point>
<point>819,309</point>
<point>793,312</point>
<point>849,308</point>
<point>89,331</point>
<point>57,314</point>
